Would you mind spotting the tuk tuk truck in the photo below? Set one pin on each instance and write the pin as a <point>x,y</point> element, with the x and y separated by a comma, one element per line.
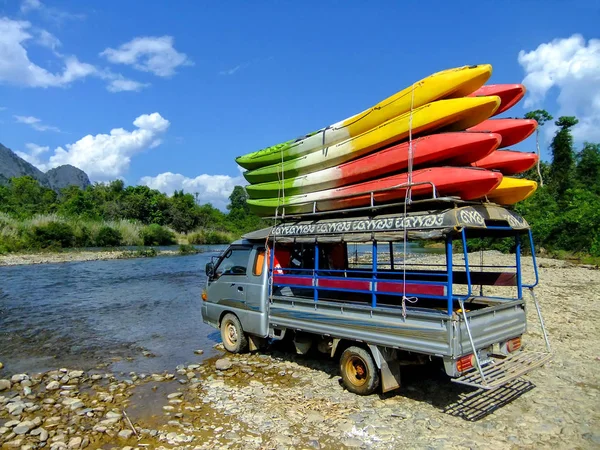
<point>347,286</point>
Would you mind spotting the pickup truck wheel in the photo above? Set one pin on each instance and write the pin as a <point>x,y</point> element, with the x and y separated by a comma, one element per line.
<point>359,372</point>
<point>232,334</point>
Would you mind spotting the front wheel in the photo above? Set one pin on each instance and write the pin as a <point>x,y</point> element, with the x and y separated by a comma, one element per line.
<point>359,372</point>
<point>232,334</point>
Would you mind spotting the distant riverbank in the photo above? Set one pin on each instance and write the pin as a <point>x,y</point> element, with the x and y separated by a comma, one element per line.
<point>79,255</point>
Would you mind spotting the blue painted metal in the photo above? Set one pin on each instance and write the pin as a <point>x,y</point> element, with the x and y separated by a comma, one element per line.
<point>535,267</point>
<point>315,273</point>
<point>518,262</point>
<point>466,256</point>
<point>374,293</point>
<point>449,272</point>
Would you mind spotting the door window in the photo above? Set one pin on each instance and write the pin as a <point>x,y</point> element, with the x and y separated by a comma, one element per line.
<point>234,262</point>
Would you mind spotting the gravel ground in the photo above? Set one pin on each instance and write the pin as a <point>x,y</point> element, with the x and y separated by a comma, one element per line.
<point>277,400</point>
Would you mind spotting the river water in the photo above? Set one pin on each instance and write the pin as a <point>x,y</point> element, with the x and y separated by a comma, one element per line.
<point>88,314</point>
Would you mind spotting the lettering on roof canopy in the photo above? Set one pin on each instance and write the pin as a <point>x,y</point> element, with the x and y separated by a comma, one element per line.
<point>364,225</point>
<point>514,221</point>
<point>471,217</point>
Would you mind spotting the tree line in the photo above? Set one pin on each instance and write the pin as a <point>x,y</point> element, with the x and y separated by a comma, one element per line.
<point>33,216</point>
<point>564,213</point>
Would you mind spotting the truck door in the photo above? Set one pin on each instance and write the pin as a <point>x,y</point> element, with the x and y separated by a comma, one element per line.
<point>232,277</point>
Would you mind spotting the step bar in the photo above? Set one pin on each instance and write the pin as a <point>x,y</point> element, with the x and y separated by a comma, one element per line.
<point>499,372</point>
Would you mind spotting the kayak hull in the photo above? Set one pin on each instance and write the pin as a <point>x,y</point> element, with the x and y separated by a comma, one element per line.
<point>510,94</point>
<point>509,162</point>
<point>512,131</point>
<point>512,190</point>
<point>449,115</point>
<point>466,183</point>
<point>451,83</point>
<point>451,148</point>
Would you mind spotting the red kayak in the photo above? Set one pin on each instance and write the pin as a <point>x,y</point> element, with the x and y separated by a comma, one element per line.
<point>509,162</point>
<point>510,94</point>
<point>456,149</point>
<point>512,131</point>
<point>466,183</point>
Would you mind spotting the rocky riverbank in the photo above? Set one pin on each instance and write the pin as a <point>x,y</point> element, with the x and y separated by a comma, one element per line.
<point>278,400</point>
<point>14,259</point>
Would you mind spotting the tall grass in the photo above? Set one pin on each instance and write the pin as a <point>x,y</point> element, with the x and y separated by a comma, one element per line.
<point>51,231</point>
<point>208,237</point>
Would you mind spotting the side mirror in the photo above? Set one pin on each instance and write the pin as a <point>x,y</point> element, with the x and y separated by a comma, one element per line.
<point>210,269</point>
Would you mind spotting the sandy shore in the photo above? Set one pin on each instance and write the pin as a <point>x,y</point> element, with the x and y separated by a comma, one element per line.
<point>278,400</point>
<point>48,258</point>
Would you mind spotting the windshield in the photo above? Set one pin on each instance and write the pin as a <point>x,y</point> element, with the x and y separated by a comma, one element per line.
<point>234,262</point>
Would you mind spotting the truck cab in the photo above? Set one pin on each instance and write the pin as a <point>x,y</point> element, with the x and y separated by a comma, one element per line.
<point>355,288</point>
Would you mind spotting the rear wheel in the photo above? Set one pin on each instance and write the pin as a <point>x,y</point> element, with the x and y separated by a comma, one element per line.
<point>232,334</point>
<point>359,372</point>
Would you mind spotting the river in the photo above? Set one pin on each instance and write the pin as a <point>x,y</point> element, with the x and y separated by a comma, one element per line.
<point>88,314</point>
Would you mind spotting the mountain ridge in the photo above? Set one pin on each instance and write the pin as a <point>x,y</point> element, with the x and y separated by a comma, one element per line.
<point>12,165</point>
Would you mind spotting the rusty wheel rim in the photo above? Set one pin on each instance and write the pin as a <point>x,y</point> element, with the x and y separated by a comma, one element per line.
<point>231,334</point>
<point>356,370</point>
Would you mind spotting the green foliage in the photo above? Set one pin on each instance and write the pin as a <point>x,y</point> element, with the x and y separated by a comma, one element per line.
<point>565,213</point>
<point>136,215</point>
<point>540,115</point>
<point>157,235</point>
<point>52,235</point>
<point>108,237</point>
<point>209,237</point>
<point>563,156</point>
<point>140,253</point>
<point>188,249</point>
<point>588,167</point>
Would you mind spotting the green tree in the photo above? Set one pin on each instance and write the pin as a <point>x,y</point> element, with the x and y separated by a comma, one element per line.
<point>541,116</point>
<point>563,156</point>
<point>238,200</point>
<point>588,167</point>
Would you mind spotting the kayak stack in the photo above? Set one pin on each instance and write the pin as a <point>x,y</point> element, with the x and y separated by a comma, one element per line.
<point>437,134</point>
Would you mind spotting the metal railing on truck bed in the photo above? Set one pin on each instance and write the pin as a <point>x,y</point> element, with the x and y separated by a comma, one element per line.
<point>375,288</point>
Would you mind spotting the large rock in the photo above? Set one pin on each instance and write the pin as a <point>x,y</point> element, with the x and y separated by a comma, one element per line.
<point>4,385</point>
<point>23,427</point>
<point>223,364</point>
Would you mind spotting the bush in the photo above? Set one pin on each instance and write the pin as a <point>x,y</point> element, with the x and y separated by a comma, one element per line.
<point>188,249</point>
<point>108,237</point>
<point>83,237</point>
<point>53,235</point>
<point>156,235</point>
<point>206,237</point>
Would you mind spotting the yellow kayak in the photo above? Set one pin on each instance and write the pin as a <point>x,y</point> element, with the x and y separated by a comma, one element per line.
<point>447,115</point>
<point>451,83</point>
<point>512,190</point>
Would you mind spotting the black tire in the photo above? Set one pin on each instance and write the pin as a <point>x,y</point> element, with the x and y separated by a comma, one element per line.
<point>233,336</point>
<point>360,374</point>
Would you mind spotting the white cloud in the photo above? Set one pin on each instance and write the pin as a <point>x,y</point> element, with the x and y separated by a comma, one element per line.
<point>120,84</point>
<point>149,54</point>
<point>47,39</point>
<point>107,156</point>
<point>214,189</point>
<point>35,149</point>
<point>572,67</point>
<point>230,71</point>
<point>30,5</point>
<point>33,155</point>
<point>17,69</point>
<point>2,108</point>
<point>35,123</point>
<point>49,13</point>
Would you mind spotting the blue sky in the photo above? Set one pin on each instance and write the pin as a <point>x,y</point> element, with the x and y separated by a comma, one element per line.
<point>206,82</point>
